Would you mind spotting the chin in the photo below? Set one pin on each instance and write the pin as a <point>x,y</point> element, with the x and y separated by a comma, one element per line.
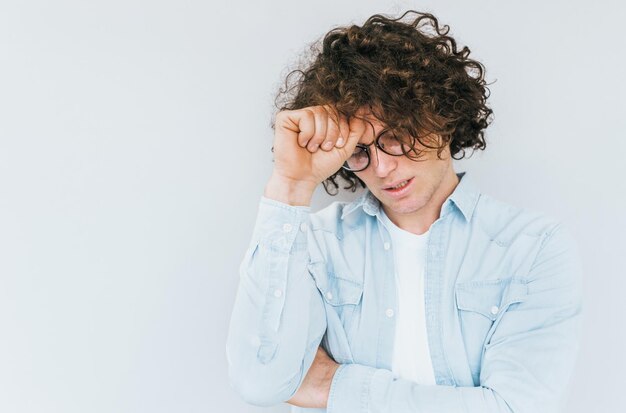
<point>405,209</point>
<point>407,205</point>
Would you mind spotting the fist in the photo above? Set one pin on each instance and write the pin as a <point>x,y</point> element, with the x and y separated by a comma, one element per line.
<point>312,143</point>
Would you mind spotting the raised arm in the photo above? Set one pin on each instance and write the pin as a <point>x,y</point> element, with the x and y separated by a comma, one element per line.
<point>278,319</point>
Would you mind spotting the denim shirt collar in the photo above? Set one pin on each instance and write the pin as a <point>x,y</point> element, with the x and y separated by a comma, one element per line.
<point>464,197</point>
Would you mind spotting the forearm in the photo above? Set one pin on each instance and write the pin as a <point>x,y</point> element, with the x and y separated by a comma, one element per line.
<point>354,386</point>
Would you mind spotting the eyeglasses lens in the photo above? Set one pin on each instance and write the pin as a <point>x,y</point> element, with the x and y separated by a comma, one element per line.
<point>358,160</point>
<point>388,142</point>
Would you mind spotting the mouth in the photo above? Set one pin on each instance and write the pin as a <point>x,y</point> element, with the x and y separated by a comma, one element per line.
<point>399,188</point>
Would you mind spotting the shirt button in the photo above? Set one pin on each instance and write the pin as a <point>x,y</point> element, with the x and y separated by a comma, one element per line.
<point>494,310</point>
<point>287,228</point>
<point>278,292</point>
<point>329,295</point>
<point>386,245</point>
<point>389,312</point>
<point>303,227</point>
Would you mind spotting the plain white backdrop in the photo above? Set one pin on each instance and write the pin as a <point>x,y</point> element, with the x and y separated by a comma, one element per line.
<point>135,144</point>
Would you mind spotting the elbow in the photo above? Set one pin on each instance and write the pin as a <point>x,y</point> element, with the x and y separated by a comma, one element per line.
<point>258,385</point>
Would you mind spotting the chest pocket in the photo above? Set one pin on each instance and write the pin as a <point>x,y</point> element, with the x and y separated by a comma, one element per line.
<point>342,298</point>
<point>336,290</point>
<point>481,305</point>
<point>340,292</point>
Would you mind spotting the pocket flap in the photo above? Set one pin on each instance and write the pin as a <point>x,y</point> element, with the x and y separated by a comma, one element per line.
<point>490,297</point>
<point>336,290</point>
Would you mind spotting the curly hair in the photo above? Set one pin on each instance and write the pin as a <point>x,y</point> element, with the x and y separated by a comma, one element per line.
<point>409,74</point>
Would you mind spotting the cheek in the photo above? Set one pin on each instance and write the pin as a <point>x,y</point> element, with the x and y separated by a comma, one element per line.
<point>365,177</point>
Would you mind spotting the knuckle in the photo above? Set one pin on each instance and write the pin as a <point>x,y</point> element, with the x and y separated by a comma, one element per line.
<point>308,112</point>
<point>280,116</point>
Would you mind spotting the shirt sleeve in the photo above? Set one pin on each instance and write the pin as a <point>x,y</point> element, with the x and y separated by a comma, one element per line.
<point>278,319</point>
<point>526,364</point>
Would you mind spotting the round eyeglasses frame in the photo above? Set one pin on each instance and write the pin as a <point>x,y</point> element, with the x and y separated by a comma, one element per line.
<point>367,152</point>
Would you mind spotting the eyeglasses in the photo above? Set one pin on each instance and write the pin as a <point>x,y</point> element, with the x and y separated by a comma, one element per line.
<point>387,141</point>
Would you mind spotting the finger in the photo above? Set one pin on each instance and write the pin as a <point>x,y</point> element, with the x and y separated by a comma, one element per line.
<point>305,121</point>
<point>321,121</point>
<point>357,130</point>
<point>344,128</point>
<point>333,132</point>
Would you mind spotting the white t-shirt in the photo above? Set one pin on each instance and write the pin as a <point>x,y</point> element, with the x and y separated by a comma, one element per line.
<point>411,355</point>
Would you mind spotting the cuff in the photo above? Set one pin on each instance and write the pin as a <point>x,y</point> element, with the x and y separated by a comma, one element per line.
<point>357,388</point>
<point>279,224</point>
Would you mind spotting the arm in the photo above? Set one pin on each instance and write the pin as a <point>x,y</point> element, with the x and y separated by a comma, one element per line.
<point>526,364</point>
<point>278,318</point>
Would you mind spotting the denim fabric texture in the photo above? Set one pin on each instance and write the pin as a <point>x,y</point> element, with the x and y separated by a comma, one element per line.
<point>502,294</point>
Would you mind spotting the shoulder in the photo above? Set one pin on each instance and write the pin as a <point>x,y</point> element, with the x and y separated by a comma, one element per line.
<point>539,249</point>
<point>333,219</point>
<point>540,237</point>
<point>504,222</point>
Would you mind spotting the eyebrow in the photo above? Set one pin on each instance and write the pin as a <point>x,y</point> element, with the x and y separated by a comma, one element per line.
<point>375,138</point>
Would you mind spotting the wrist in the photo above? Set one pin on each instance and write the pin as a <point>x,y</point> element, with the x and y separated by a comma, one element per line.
<point>328,381</point>
<point>289,191</point>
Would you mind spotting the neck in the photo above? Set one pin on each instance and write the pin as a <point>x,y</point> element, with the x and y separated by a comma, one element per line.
<point>419,221</point>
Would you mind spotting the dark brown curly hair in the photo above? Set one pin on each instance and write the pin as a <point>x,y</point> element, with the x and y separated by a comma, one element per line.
<point>409,74</point>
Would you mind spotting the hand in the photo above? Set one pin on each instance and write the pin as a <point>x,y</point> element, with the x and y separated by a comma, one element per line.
<point>313,392</point>
<point>312,143</point>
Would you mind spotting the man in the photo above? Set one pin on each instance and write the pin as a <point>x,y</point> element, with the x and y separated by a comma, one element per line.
<point>423,295</point>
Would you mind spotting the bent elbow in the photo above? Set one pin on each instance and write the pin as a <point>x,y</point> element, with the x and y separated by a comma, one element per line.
<point>259,386</point>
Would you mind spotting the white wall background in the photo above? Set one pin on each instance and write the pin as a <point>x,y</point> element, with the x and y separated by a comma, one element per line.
<point>134,146</point>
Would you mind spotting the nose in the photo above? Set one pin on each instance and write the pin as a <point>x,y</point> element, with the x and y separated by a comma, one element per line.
<point>382,163</point>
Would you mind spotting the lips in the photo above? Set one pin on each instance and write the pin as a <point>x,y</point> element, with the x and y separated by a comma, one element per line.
<point>394,185</point>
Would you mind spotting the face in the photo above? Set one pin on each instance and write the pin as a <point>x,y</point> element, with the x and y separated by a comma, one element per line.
<point>406,188</point>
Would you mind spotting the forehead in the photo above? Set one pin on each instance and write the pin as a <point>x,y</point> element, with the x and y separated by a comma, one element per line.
<point>373,127</point>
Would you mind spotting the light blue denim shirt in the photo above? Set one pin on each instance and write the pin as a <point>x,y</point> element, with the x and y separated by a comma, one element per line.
<point>502,295</point>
